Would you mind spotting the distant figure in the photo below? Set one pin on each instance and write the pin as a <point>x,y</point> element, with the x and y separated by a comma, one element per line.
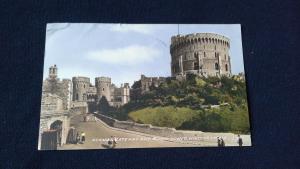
<point>219,142</point>
<point>82,137</point>
<point>222,142</point>
<point>112,142</point>
<point>77,138</point>
<point>240,141</point>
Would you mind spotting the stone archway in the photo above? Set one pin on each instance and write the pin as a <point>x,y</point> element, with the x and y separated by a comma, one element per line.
<point>57,126</point>
<point>51,137</point>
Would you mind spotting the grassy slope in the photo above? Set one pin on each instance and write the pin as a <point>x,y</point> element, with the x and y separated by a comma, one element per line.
<point>168,116</point>
<point>176,104</point>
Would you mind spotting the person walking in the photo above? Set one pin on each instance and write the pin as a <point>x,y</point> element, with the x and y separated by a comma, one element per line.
<point>240,141</point>
<point>82,137</point>
<point>77,138</point>
<point>222,142</point>
<point>219,142</point>
<point>114,141</point>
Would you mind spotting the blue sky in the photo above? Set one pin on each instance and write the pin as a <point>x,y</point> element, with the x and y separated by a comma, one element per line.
<point>124,51</point>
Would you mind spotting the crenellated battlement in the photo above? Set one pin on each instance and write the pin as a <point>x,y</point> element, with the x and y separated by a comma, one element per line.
<point>81,79</point>
<point>179,40</point>
<point>103,79</point>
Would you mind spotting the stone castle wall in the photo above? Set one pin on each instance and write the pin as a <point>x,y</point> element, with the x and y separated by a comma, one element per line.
<point>202,53</point>
<point>61,88</point>
<point>51,102</point>
<point>52,110</point>
<point>147,82</point>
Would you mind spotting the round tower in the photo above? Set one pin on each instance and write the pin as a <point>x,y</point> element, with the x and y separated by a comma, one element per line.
<point>103,87</point>
<point>80,88</point>
<point>204,54</point>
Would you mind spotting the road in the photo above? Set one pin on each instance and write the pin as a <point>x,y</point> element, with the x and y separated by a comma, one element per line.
<point>96,131</point>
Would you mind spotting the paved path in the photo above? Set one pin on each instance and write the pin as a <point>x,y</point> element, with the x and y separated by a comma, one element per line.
<point>96,131</point>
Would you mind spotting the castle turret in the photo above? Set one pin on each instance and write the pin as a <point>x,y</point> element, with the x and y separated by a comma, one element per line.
<point>53,72</point>
<point>102,85</point>
<point>201,53</point>
<point>125,93</point>
<point>80,88</point>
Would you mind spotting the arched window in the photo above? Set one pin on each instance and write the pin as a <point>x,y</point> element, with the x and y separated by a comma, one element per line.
<point>204,54</point>
<point>196,55</point>
<point>216,55</point>
<point>77,97</point>
<point>216,66</point>
<point>226,67</point>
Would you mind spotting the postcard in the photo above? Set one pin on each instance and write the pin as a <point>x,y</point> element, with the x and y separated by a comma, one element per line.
<point>116,86</point>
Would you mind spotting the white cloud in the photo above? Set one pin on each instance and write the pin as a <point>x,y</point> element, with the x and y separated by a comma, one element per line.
<point>130,55</point>
<point>138,28</point>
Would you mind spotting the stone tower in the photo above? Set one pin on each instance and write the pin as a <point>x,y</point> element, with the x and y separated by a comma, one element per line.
<point>204,54</point>
<point>53,72</point>
<point>80,88</point>
<point>125,93</point>
<point>102,85</point>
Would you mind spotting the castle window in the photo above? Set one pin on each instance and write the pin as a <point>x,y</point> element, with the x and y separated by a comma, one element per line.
<point>196,55</point>
<point>215,47</point>
<point>204,54</point>
<point>102,89</point>
<point>77,97</point>
<point>216,66</point>
<point>226,67</point>
<point>84,86</point>
<point>196,65</point>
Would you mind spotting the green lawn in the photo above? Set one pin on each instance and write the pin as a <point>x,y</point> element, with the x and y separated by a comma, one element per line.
<point>168,116</point>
